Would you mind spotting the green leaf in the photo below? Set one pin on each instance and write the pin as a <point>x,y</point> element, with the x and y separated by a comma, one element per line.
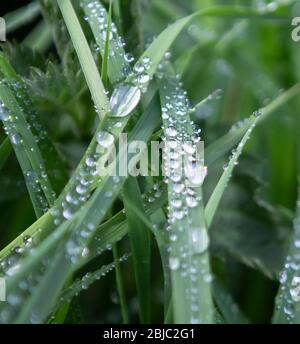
<point>85,57</point>
<point>22,16</point>
<point>27,151</point>
<point>66,260</point>
<point>140,245</point>
<point>188,240</point>
<point>216,196</point>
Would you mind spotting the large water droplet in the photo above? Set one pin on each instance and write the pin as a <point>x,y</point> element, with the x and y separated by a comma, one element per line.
<point>105,139</point>
<point>295,289</point>
<point>199,239</point>
<point>174,263</point>
<point>124,100</point>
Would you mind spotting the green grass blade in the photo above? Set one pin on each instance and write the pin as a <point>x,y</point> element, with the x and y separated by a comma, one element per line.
<point>117,63</point>
<point>5,150</point>
<point>86,281</point>
<point>22,16</point>
<point>140,245</point>
<point>85,57</point>
<point>106,49</point>
<point>64,263</point>
<point>228,307</point>
<point>216,196</point>
<point>221,146</point>
<point>191,286</point>
<point>27,151</point>
<point>120,285</point>
<point>163,42</point>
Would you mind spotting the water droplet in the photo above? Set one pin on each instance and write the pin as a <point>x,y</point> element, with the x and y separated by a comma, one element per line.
<point>174,263</point>
<point>199,239</point>
<point>295,290</point>
<point>124,100</point>
<point>105,139</point>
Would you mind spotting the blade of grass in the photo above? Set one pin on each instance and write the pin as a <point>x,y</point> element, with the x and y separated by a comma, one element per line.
<point>164,41</point>
<point>217,194</point>
<point>5,150</point>
<point>86,281</point>
<point>224,144</point>
<point>85,57</point>
<point>106,49</point>
<point>120,285</point>
<point>27,151</point>
<point>229,139</point>
<point>39,39</point>
<point>21,16</point>
<point>140,245</point>
<point>65,262</point>
<point>191,294</point>
<point>53,163</point>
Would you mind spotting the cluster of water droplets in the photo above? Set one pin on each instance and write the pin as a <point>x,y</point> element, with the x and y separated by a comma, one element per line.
<point>288,299</point>
<point>36,177</point>
<point>25,287</point>
<point>184,174</point>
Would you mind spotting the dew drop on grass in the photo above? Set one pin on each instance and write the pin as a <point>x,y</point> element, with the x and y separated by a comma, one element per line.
<point>295,289</point>
<point>257,113</point>
<point>85,252</point>
<point>174,263</point>
<point>124,100</point>
<point>105,139</point>
<point>15,139</point>
<point>199,239</point>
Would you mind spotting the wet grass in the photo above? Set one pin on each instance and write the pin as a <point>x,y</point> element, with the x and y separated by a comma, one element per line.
<point>187,248</point>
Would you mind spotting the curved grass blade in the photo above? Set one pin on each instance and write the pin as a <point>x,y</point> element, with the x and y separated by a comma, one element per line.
<point>216,196</point>
<point>39,39</point>
<point>224,144</point>
<point>120,285</point>
<point>163,42</point>
<point>85,282</point>
<point>216,151</point>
